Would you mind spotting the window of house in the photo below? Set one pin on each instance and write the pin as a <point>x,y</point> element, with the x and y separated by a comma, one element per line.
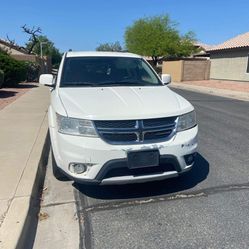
<point>247,69</point>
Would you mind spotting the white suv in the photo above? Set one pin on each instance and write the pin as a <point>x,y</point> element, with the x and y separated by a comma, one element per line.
<point>112,120</point>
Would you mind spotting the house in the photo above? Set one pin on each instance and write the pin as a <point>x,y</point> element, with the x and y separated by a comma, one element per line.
<point>230,60</point>
<point>12,49</point>
<point>21,54</point>
<point>202,50</point>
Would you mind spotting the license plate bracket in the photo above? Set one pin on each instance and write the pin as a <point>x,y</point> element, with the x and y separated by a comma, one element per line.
<point>143,159</point>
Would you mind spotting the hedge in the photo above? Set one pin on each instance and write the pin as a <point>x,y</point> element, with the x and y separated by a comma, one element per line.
<point>14,71</point>
<point>1,77</point>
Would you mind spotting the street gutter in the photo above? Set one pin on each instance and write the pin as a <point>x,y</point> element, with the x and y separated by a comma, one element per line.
<point>212,91</point>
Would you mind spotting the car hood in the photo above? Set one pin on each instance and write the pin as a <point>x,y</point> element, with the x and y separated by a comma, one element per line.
<point>117,103</point>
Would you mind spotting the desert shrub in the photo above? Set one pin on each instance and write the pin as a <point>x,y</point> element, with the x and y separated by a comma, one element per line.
<point>33,69</point>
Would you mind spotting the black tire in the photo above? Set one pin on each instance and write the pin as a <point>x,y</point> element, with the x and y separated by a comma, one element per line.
<point>57,172</point>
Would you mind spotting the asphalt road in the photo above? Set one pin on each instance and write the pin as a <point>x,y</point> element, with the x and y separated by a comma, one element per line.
<point>206,208</point>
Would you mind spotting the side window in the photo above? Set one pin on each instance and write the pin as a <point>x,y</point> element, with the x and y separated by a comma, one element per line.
<point>247,69</point>
<point>146,74</point>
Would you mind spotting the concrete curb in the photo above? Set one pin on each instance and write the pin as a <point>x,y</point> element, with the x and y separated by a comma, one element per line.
<point>213,91</point>
<point>27,236</point>
<point>20,221</point>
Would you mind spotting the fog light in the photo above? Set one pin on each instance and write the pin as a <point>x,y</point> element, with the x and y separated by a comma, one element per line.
<point>77,168</point>
<point>189,159</point>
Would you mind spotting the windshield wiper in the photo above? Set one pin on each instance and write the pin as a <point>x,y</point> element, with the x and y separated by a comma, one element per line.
<point>70,84</point>
<point>107,83</point>
<point>124,83</point>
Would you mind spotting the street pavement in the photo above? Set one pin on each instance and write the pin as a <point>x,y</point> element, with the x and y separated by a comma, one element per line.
<point>206,208</point>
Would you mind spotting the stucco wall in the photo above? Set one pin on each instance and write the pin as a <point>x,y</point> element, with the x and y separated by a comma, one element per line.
<point>174,68</point>
<point>229,65</point>
<point>45,63</point>
<point>187,70</point>
<point>196,70</point>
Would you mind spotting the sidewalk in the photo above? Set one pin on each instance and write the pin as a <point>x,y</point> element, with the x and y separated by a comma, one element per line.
<point>229,89</point>
<point>23,132</point>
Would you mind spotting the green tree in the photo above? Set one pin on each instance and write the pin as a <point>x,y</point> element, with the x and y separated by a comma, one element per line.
<point>158,37</point>
<point>114,47</point>
<point>48,49</point>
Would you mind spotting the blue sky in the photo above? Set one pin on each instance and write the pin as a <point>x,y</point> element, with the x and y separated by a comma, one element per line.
<point>84,24</point>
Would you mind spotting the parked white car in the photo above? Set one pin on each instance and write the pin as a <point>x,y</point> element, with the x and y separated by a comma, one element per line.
<point>112,120</point>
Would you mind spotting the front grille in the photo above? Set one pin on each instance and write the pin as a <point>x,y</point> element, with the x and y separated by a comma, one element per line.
<point>136,131</point>
<point>126,137</point>
<point>157,134</point>
<point>158,121</point>
<point>116,124</point>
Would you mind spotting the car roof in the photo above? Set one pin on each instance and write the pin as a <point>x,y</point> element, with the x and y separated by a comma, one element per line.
<point>97,53</point>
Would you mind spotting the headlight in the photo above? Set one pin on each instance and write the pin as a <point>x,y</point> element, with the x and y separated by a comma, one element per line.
<point>186,121</point>
<point>74,126</point>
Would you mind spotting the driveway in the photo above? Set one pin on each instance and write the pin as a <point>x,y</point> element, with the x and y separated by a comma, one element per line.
<point>10,94</point>
<point>206,208</point>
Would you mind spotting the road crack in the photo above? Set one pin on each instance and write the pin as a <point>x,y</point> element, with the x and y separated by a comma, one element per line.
<point>57,204</point>
<point>179,196</point>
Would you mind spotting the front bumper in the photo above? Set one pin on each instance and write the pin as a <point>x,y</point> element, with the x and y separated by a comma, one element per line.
<point>104,157</point>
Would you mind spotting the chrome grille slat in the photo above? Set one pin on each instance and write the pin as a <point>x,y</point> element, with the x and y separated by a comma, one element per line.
<point>136,131</point>
<point>159,128</point>
<point>117,129</point>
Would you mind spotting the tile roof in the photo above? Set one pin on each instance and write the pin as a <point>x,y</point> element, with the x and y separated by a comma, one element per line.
<point>240,41</point>
<point>204,46</point>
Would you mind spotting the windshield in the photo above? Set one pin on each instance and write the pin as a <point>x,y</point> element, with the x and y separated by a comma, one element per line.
<point>107,71</point>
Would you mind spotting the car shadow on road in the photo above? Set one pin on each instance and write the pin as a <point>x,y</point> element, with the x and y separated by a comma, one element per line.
<point>186,181</point>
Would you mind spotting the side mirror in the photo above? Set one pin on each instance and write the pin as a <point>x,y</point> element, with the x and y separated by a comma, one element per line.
<point>46,80</point>
<point>166,79</point>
